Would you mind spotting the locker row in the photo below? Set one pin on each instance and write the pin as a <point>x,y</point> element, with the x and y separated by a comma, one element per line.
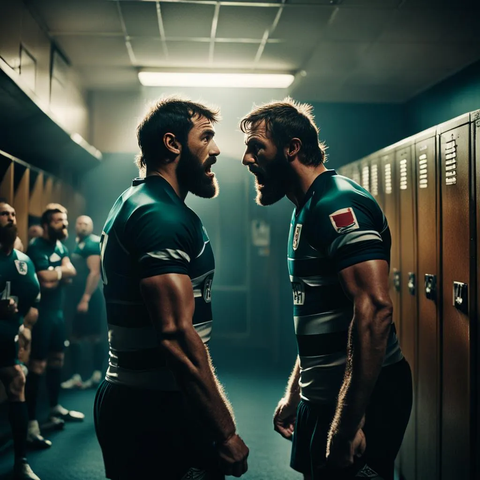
<point>29,189</point>
<point>429,188</point>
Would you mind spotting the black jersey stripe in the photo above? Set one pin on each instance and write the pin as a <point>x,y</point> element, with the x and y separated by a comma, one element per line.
<point>322,344</point>
<point>146,359</point>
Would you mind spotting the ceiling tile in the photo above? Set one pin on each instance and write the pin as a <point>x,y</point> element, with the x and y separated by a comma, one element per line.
<point>149,52</point>
<point>239,55</point>
<point>73,16</point>
<point>244,22</point>
<point>285,56</point>
<point>188,54</point>
<point>302,25</point>
<point>357,24</point>
<point>94,51</point>
<point>187,20</point>
<point>333,57</point>
<point>140,18</point>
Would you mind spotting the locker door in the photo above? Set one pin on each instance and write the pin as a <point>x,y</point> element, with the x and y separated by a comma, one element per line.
<point>376,179</point>
<point>365,174</point>
<point>405,180</point>
<point>428,284</point>
<point>391,212</point>
<point>457,293</point>
<point>356,175</point>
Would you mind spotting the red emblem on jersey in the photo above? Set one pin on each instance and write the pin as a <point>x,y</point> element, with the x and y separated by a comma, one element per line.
<point>344,220</point>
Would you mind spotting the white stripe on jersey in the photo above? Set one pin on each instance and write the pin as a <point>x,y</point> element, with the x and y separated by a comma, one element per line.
<point>203,249</point>
<point>204,330</point>
<point>168,254</point>
<point>315,280</point>
<point>326,322</point>
<point>353,237</point>
<point>198,280</point>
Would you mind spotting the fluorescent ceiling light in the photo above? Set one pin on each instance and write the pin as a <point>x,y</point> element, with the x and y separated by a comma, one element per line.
<point>215,80</point>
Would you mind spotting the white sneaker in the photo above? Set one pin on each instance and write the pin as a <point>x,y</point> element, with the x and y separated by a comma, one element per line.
<point>94,380</point>
<point>74,382</point>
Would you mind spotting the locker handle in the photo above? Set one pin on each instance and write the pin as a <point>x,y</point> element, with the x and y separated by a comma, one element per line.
<point>397,280</point>
<point>430,286</point>
<point>460,296</point>
<point>411,283</point>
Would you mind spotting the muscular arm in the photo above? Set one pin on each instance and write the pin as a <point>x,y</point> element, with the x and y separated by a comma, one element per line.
<point>30,318</point>
<point>50,278</point>
<point>93,263</point>
<point>367,284</point>
<point>293,388</point>
<point>170,303</point>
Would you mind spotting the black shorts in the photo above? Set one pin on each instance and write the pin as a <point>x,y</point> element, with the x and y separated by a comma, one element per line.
<point>8,344</point>
<point>386,420</point>
<point>150,434</point>
<point>94,321</point>
<point>48,334</point>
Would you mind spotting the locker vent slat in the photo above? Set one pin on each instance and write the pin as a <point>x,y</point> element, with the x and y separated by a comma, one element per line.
<point>451,162</point>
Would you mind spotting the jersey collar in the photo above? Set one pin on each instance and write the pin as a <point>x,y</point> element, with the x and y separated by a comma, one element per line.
<point>317,185</point>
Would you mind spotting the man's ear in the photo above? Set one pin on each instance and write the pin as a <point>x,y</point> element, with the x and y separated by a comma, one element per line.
<point>172,144</point>
<point>293,149</point>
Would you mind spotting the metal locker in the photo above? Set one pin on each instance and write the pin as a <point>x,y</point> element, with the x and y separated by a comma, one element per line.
<point>476,132</point>
<point>387,162</point>
<point>364,165</point>
<point>355,173</point>
<point>376,179</point>
<point>405,180</point>
<point>458,296</point>
<point>428,291</point>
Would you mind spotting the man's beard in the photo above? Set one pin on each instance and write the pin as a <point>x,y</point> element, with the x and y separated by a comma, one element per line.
<point>192,176</point>
<point>54,234</point>
<point>275,182</point>
<point>8,234</point>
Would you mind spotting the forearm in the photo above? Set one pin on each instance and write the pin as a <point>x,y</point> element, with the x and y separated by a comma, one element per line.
<point>292,392</point>
<point>30,318</point>
<point>368,339</point>
<point>190,361</point>
<point>91,285</point>
<point>68,271</point>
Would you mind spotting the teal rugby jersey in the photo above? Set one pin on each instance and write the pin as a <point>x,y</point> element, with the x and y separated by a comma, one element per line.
<point>150,231</point>
<point>45,254</point>
<point>85,248</point>
<point>339,225</point>
<point>19,281</point>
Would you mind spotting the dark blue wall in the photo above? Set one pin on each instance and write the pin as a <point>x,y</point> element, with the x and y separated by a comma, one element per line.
<point>353,130</point>
<point>446,100</point>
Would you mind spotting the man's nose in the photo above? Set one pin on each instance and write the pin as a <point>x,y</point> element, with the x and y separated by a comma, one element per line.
<point>214,151</point>
<point>248,159</point>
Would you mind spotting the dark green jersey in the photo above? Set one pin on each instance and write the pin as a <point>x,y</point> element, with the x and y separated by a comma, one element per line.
<point>19,281</point>
<point>84,248</point>
<point>150,231</point>
<point>339,225</point>
<point>45,254</point>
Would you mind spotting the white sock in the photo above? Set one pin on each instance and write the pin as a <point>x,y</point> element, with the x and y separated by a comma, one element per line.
<point>33,427</point>
<point>59,409</point>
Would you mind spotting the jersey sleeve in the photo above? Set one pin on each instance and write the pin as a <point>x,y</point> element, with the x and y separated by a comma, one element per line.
<point>38,257</point>
<point>92,247</point>
<point>349,231</point>
<point>30,291</point>
<point>162,243</point>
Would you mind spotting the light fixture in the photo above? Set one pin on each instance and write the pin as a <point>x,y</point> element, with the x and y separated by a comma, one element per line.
<point>215,80</point>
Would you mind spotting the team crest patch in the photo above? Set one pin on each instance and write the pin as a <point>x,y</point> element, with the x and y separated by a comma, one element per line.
<point>296,235</point>
<point>22,267</point>
<point>344,220</point>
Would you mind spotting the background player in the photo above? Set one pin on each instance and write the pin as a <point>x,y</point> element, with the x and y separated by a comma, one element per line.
<point>85,297</point>
<point>350,368</point>
<point>54,268</point>
<point>161,411</point>
<point>20,292</point>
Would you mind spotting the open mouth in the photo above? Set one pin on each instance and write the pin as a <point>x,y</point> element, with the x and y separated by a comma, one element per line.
<point>208,168</point>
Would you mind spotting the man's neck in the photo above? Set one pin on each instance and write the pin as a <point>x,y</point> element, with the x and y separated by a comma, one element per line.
<point>48,239</point>
<point>169,174</point>
<point>304,177</point>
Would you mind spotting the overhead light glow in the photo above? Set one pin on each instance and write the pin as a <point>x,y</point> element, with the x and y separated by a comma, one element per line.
<point>215,80</point>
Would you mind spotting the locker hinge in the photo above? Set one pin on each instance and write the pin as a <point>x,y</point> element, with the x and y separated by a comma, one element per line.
<point>460,296</point>
<point>397,280</point>
<point>430,286</point>
<point>411,283</point>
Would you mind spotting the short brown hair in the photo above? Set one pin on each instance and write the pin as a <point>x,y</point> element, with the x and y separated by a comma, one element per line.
<point>286,120</point>
<point>169,115</point>
<point>51,209</point>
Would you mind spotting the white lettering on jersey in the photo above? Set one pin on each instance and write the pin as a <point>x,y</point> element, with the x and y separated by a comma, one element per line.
<point>298,293</point>
<point>207,290</point>
<point>296,235</point>
<point>22,267</point>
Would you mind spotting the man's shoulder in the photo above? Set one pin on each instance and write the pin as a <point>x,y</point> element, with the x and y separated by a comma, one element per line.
<point>23,263</point>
